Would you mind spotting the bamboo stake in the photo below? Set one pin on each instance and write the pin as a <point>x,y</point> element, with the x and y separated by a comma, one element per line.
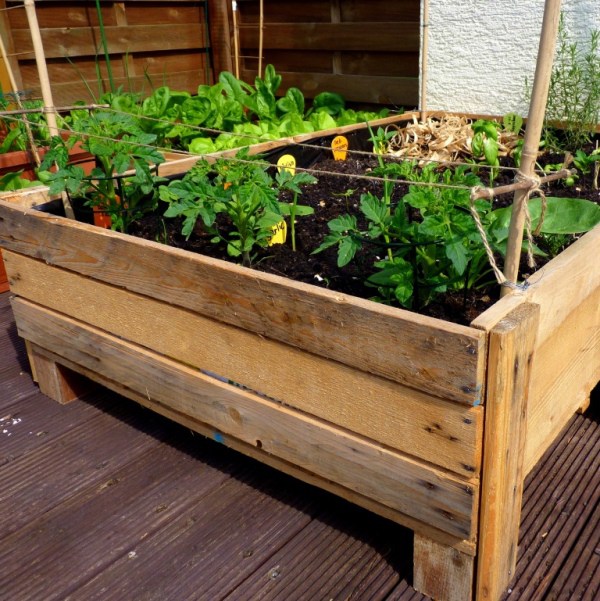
<point>424,52</point>
<point>261,22</point>
<point>521,185</point>
<point>40,60</point>
<point>236,42</point>
<point>535,122</point>
<point>15,87</point>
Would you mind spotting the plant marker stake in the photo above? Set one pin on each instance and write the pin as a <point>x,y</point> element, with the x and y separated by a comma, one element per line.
<point>40,60</point>
<point>535,122</point>
<point>339,147</point>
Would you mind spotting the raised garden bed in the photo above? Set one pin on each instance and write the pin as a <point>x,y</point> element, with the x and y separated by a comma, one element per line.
<point>427,422</point>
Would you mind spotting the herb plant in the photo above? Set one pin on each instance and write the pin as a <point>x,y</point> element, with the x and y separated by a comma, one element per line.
<point>574,92</point>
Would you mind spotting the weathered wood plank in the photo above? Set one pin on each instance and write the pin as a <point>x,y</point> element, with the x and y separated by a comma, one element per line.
<point>220,17</point>
<point>408,486</point>
<point>441,572</point>
<point>53,379</point>
<point>65,93</point>
<point>251,450</point>
<point>382,64</point>
<point>376,89</point>
<point>511,352</point>
<point>442,433</point>
<point>558,287</point>
<point>83,41</point>
<point>405,347</point>
<point>566,370</point>
<point>387,37</point>
<point>568,343</point>
<point>156,64</point>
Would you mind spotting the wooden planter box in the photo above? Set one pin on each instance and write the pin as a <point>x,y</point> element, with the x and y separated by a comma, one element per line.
<point>428,423</point>
<point>22,160</point>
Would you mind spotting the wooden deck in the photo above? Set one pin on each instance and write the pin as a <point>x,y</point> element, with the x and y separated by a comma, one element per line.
<point>101,499</point>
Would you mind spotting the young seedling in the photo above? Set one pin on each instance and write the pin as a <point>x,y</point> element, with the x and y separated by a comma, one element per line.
<point>287,181</point>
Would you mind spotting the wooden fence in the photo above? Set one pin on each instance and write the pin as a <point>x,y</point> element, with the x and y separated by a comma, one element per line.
<point>151,43</point>
<point>367,50</point>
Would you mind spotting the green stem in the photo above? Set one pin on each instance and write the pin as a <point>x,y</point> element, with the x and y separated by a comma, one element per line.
<point>105,46</point>
<point>293,222</point>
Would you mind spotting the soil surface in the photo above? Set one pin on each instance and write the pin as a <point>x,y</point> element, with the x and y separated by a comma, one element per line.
<point>338,192</point>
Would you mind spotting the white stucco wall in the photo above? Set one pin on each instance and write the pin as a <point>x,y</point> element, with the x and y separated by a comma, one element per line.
<point>481,51</point>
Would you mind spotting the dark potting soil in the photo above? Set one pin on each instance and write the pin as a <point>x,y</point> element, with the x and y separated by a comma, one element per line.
<point>338,192</point>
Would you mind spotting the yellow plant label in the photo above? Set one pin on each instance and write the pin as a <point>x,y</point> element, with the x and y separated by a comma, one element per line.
<point>287,162</point>
<point>339,145</point>
<point>279,233</point>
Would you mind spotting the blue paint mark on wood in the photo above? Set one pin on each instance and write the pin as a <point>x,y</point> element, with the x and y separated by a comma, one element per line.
<point>218,437</point>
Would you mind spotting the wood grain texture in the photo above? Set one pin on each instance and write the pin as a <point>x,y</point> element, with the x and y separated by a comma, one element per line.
<point>251,450</point>
<point>375,89</point>
<point>221,35</point>
<point>441,572</point>
<point>336,46</point>
<point>567,365</point>
<point>83,41</point>
<point>408,486</point>
<point>443,433</point>
<point>566,370</point>
<point>386,37</point>
<point>405,347</point>
<point>511,355</point>
<point>53,379</point>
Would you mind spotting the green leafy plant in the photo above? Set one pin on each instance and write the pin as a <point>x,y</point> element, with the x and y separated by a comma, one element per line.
<point>241,191</point>
<point>292,182</point>
<point>563,218</point>
<point>574,92</point>
<point>123,181</point>
<point>440,250</point>
<point>484,144</point>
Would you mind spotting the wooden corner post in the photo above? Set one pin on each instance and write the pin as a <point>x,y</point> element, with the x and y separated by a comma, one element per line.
<point>511,346</point>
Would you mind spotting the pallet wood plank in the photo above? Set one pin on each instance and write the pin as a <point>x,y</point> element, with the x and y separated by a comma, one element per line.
<point>389,37</point>
<point>443,433</point>
<point>511,349</point>
<point>442,572</point>
<point>411,487</point>
<point>375,89</point>
<point>251,450</point>
<point>82,41</point>
<point>405,347</point>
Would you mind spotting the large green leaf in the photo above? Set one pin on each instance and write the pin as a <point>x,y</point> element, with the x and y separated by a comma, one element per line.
<point>563,215</point>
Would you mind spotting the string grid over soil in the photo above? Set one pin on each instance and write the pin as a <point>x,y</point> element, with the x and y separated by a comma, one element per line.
<point>335,195</point>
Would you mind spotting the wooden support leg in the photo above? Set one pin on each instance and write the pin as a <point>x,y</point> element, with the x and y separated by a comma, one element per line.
<point>441,572</point>
<point>55,381</point>
<point>511,345</point>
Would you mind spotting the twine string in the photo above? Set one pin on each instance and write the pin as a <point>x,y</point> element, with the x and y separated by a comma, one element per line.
<point>535,188</point>
<point>500,277</point>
